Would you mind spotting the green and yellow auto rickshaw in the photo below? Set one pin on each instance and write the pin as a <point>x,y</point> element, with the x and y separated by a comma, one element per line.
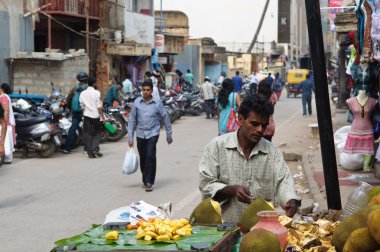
<point>294,78</point>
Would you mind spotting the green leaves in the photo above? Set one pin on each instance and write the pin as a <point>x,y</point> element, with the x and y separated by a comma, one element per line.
<point>94,239</point>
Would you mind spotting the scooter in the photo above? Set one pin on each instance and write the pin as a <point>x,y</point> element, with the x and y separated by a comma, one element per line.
<point>36,132</point>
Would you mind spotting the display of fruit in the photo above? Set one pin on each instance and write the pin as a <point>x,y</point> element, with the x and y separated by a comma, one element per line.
<point>249,217</point>
<point>260,240</point>
<point>373,223</point>
<point>163,230</point>
<point>360,240</point>
<point>374,201</point>
<point>373,192</point>
<point>206,212</point>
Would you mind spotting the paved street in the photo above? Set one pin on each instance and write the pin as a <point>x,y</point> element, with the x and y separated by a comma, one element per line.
<point>43,200</point>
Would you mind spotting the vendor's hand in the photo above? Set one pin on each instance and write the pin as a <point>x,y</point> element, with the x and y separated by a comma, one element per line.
<point>243,194</point>
<point>130,143</point>
<point>291,207</point>
<point>169,140</point>
<point>105,119</point>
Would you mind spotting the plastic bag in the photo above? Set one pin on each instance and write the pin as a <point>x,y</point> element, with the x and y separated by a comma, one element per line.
<point>348,161</point>
<point>131,162</point>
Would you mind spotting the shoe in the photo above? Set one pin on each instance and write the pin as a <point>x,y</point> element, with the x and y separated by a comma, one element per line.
<point>84,152</point>
<point>91,155</point>
<point>149,187</point>
<point>65,151</point>
<point>144,186</point>
<point>98,154</point>
<point>304,116</point>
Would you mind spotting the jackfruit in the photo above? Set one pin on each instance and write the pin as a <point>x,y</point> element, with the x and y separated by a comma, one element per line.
<point>374,201</point>
<point>373,223</point>
<point>360,240</point>
<point>249,217</point>
<point>373,192</point>
<point>344,229</point>
<point>260,240</point>
<point>207,212</point>
<point>113,235</point>
<point>352,222</point>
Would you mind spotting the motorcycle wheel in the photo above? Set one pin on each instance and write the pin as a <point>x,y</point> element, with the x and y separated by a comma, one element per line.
<point>121,129</point>
<point>48,151</point>
<point>104,136</point>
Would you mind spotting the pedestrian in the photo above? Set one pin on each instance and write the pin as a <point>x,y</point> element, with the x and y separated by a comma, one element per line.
<point>208,93</point>
<point>238,167</point>
<point>270,80</point>
<point>254,79</point>
<point>92,111</point>
<point>189,78</point>
<point>264,89</point>
<point>222,76</point>
<point>113,95</point>
<point>278,85</point>
<point>149,75</point>
<point>127,85</point>
<point>3,131</point>
<point>226,100</point>
<point>9,118</point>
<point>181,80</point>
<point>145,118</point>
<point>238,82</point>
<point>76,111</point>
<point>307,87</point>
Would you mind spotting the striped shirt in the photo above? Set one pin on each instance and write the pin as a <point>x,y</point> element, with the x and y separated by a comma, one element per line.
<point>265,173</point>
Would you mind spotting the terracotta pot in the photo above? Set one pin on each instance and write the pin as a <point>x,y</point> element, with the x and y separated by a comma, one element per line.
<point>268,220</point>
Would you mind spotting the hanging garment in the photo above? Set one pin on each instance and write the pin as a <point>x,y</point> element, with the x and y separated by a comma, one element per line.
<point>360,138</point>
<point>367,40</point>
<point>361,21</point>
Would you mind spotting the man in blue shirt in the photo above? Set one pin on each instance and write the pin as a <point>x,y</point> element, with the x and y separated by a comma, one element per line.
<point>238,82</point>
<point>145,118</point>
<point>307,87</point>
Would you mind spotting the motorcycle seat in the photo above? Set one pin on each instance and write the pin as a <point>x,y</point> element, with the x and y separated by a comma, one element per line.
<point>25,120</point>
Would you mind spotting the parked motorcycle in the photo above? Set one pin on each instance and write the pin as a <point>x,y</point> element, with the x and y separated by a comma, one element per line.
<point>116,118</point>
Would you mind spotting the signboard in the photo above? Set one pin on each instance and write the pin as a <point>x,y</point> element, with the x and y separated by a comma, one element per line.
<point>160,43</point>
<point>139,28</point>
<point>129,50</point>
<point>334,3</point>
<point>163,60</point>
<point>283,35</point>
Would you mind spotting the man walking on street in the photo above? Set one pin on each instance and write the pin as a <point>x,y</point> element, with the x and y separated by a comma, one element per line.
<point>307,87</point>
<point>145,118</point>
<point>77,114</point>
<point>238,82</point>
<point>253,83</point>
<point>127,85</point>
<point>113,95</point>
<point>208,92</point>
<point>189,78</point>
<point>92,110</point>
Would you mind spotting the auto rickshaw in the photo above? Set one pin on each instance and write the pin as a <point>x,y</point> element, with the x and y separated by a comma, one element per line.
<point>294,78</point>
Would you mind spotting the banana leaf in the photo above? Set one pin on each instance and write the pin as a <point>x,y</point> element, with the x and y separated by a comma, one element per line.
<point>93,239</point>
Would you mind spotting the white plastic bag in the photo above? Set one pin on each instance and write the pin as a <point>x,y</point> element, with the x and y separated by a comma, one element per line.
<point>131,162</point>
<point>351,162</point>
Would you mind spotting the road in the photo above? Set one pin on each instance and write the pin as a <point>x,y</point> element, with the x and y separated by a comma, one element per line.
<point>44,200</point>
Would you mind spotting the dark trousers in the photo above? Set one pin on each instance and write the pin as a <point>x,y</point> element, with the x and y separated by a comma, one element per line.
<point>306,99</point>
<point>92,130</point>
<point>253,88</point>
<point>147,151</point>
<point>210,108</point>
<point>76,118</point>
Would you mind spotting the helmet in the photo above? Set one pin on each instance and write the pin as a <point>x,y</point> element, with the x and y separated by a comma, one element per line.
<point>82,76</point>
<point>56,108</point>
<point>22,104</point>
<point>167,93</point>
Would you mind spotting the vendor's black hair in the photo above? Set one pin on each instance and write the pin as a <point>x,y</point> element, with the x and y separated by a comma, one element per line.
<point>256,103</point>
<point>91,81</point>
<point>6,88</point>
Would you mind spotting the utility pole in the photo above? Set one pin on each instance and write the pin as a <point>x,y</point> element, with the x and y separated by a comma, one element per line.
<point>330,170</point>
<point>87,7</point>
<point>258,28</point>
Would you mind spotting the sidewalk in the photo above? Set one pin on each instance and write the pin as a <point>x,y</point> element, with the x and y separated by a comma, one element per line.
<point>313,168</point>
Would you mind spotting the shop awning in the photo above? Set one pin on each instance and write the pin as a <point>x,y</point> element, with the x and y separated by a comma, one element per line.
<point>129,49</point>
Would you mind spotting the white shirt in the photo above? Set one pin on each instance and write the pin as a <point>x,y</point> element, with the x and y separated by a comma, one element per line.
<point>208,91</point>
<point>254,78</point>
<point>155,93</point>
<point>154,81</point>
<point>127,87</point>
<point>90,101</point>
<point>220,80</point>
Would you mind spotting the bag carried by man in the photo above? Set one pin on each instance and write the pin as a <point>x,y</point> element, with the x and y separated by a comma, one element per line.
<point>131,162</point>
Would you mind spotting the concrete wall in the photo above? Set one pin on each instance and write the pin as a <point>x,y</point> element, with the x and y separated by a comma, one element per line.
<point>36,75</point>
<point>176,22</point>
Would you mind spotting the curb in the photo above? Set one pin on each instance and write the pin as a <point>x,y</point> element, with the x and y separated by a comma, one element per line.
<point>307,164</point>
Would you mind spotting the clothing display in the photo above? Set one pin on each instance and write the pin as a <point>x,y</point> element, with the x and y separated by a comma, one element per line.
<point>360,138</point>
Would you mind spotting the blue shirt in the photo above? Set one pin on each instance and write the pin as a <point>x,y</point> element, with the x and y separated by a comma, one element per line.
<point>145,119</point>
<point>307,87</point>
<point>225,112</point>
<point>238,83</point>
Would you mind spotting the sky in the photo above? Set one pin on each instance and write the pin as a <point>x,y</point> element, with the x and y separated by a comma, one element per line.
<point>226,20</point>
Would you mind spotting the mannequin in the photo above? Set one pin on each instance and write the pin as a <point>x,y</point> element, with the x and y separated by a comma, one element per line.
<point>362,97</point>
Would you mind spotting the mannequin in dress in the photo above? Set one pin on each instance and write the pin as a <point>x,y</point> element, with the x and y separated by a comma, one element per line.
<point>362,97</point>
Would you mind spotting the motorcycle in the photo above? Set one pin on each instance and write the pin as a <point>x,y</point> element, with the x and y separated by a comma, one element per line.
<point>116,118</point>
<point>36,132</point>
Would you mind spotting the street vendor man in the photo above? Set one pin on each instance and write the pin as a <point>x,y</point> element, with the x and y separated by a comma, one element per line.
<point>241,166</point>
